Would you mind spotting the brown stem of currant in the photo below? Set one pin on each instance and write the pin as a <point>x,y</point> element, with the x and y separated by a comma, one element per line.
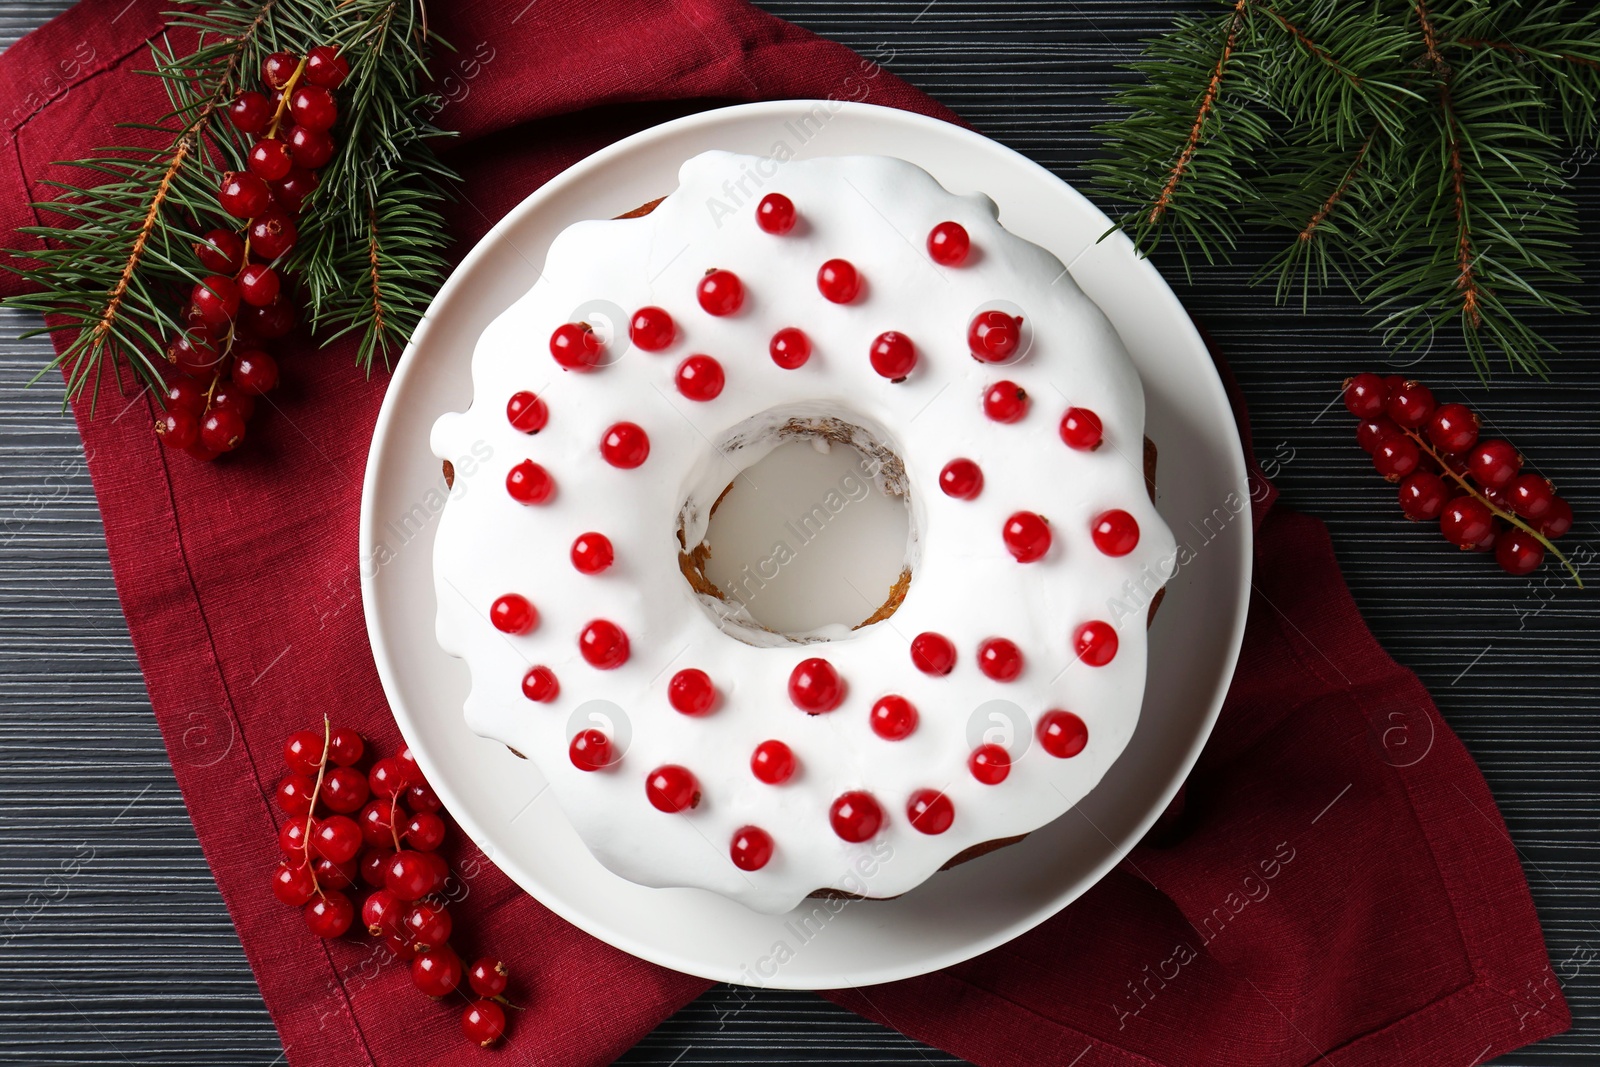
<point>1508,516</point>
<point>283,101</point>
<point>316,791</point>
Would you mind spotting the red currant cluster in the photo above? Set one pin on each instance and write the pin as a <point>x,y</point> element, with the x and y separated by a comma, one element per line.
<point>244,302</point>
<point>1475,489</point>
<point>383,827</point>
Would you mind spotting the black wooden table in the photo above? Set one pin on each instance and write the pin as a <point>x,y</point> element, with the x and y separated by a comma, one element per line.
<point>115,948</point>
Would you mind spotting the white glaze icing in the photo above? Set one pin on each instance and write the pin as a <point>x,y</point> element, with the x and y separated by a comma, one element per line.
<point>876,212</point>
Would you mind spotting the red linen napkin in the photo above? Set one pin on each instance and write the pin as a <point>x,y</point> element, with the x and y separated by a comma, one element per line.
<point>1338,888</point>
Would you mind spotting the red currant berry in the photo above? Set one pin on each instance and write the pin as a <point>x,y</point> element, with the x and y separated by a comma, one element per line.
<point>700,378</point>
<point>1411,406</point>
<point>815,687</point>
<point>222,430</point>
<point>893,718</point>
<point>377,823</point>
<point>529,483</point>
<point>425,832</point>
<point>893,355</point>
<point>1027,536</point>
<point>382,913</point>
<point>1395,457</point>
<point>1115,532</point>
<point>344,790</point>
<point>278,68</point>
<point>420,795</point>
<point>1494,464</point>
<point>751,848</point>
<point>540,685</point>
<point>410,875</point>
<point>428,926</point>
<point>575,346</point>
<point>1005,402</point>
<point>930,811</point>
<point>933,654</point>
<point>488,977</point>
<point>484,1022</point>
<point>269,159</point>
<point>1466,521</point>
<point>254,372</point>
<point>1062,734</point>
<point>720,292</point>
<point>243,195</point>
<point>948,244</point>
<point>1370,433</point>
<point>178,428</point>
<point>293,795</point>
<point>672,788</point>
<point>1095,643</point>
<point>1081,429</point>
<point>961,479</point>
<point>1365,396</point>
<point>1530,496</point>
<point>989,764</point>
<point>513,613</point>
<point>216,299</point>
<point>345,747</point>
<point>336,875</point>
<point>652,329</point>
<point>249,112</point>
<point>1000,659</point>
<point>272,234</point>
<point>310,148</point>
<point>590,750</point>
<point>326,67</point>
<point>1518,552</point>
<point>221,252</point>
<point>292,883</point>
<point>313,107</point>
<point>225,395</point>
<point>388,778</point>
<point>274,320</point>
<point>592,553</point>
<point>775,214</point>
<point>1453,429</point>
<point>302,752</point>
<point>192,353</point>
<point>855,816</point>
<point>1423,496</point>
<point>625,445</point>
<point>259,284</point>
<point>330,915</point>
<point>292,837</point>
<point>293,192</point>
<point>337,838</point>
<point>603,644</point>
<point>790,348</point>
<point>994,336</point>
<point>374,861</point>
<point>437,973</point>
<point>773,762</point>
<point>691,692</point>
<point>838,281</point>
<point>399,947</point>
<point>1558,520</point>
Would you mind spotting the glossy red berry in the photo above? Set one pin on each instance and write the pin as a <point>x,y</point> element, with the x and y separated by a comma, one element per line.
<point>272,234</point>
<point>625,445</point>
<point>529,483</point>
<point>773,762</point>
<point>293,191</point>
<point>278,68</point>
<point>345,747</point>
<point>1115,532</point>
<point>333,875</point>
<point>419,795</point>
<point>948,244</point>
<point>178,428</point>
<point>961,479</point>
<point>855,816</point>
<point>893,355</point>
<point>225,396</point>
<point>221,251</point>
<point>292,838</point>
<point>488,977</point>
<point>838,281</point>
<point>1005,402</point>
<point>1494,464</point>
<point>1062,734</point>
<point>1465,521</point>
<point>700,378</point>
<point>652,329</point>
<point>222,430</point>
<point>751,848</point>
<point>302,751</point>
<point>1027,536</point>
<point>575,346</point>
<point>410,875</point>
<point>269,159</point>
<point>374,861</point>
<point>930,811</point>
<point>313,107</point>
<point>1530,496</point>
<point>389,777</point>
<point>425,832</point>
<point>344,790</point>
<point>274,320</point>
<point>377,823</point>
<point>292,883</point>
<point>254,372</point>
<point>216,299</point>
<point>603,645</point>
<point>243,195</point>
<point>383,913</point>
<point>592,553</point>
<point>513,613</point>
<point>790,348</point>
<point>326,67</point>
<point>1365,396</point>
<point>672,789</point>
<point>1453,429</point>
<point>330,914</point>
<point>1423,496</point>
<point>310,148</point>
<point>337,838</point>
<point>540,685</point>
<point>994,336</point>
<point>1395,457</point>
<point>184,394</point>
<point>933,654</point>
<point>484,1022</point>
<point>437,973</point>
<point>893,718</point>
<point>1558,520</point>
<point>691,692</point>
<point>1411,406</point>
<point>1518,552</point>
<point>427,926</point>
<point>293,795</point>
<point>720,292</point>
<point>1095,643</point>
<point>1000,659</point>
<point>989,764</point>
<point>249,112</point>
<point>815,687</point>
<point>259,284</point>
<point>775,214</point>
<point>193,353</point>
<point>1371,432</point>
<point>590,750</point>
<point>1081,429</point>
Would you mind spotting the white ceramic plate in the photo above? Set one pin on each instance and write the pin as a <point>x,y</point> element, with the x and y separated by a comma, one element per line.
<point>500,801</point>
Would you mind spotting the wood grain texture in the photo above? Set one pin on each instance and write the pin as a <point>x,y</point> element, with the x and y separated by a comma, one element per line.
<point>114,947</point>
